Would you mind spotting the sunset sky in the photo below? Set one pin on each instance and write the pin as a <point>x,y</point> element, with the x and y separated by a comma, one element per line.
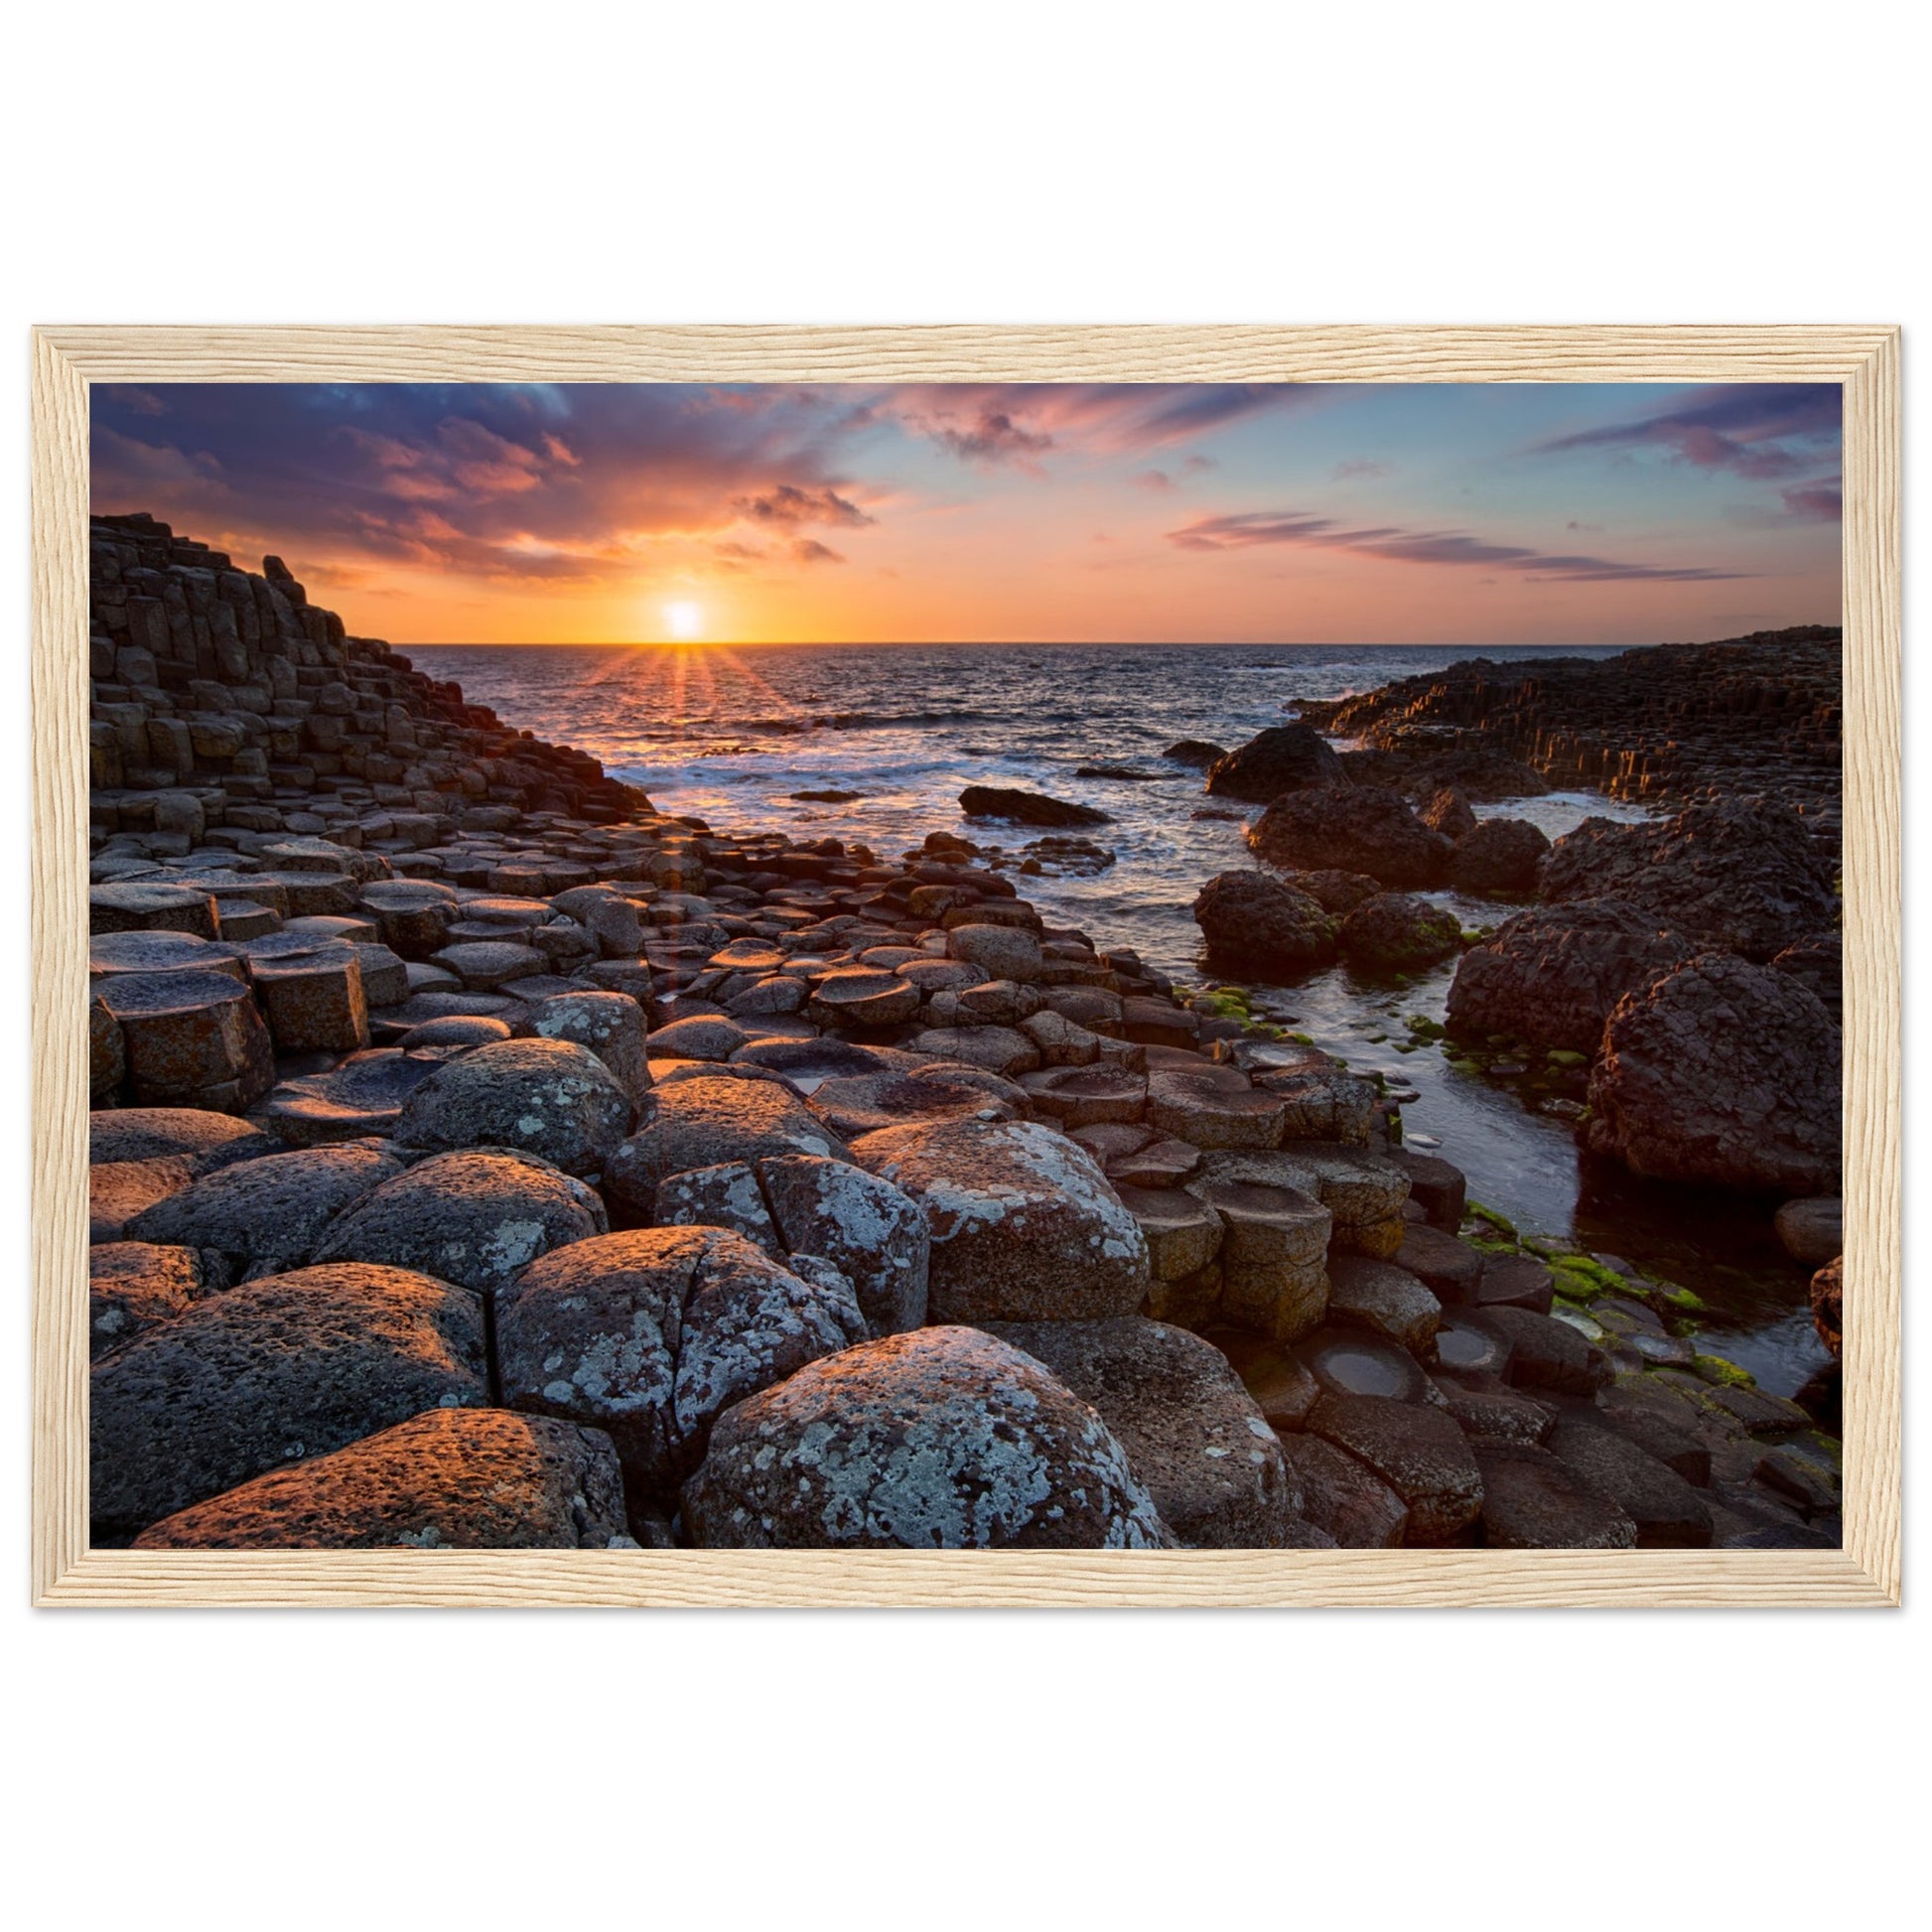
<point>1505,513</point>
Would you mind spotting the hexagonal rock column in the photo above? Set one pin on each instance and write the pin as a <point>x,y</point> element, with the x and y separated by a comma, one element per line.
<point>703,1121</point>
<point>1362,1190</point>
<point>867,1103</point>
<point>260,1216</point>
<point>1216,1107</point>
<point>550,1097</point>
<point>283,1368</point>
<point>363,1096</point>
<point>190,1037</point>
<point>145,907</point>
<point>1384,1299</point>
<point>945,1438</point>
<point>860,996</point>
<point>1025,1226</point>
<point>313,1000</point>
<point>610,1025</point>
<point>150,1133</point>
<point>650,1335</point>
<point>414,915</point>
<point>477,1218</point>
<point>106,1052</point>
<point>1419,1452</point>
<point>447,1479</point>
<point>1273,1258</point>
<point>1086,1096</point>
<point>1193,1434</point>
<point>110,954</point>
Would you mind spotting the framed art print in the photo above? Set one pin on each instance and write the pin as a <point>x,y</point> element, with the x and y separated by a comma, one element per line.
<point>966,966</point>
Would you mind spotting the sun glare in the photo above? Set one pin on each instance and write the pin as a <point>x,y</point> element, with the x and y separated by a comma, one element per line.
<point>683,621</point>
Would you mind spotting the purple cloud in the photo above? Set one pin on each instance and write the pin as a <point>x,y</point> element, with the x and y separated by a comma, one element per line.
<point>1394,545</point>
<point>788,506</point>
<point>1762,431</point>
<point>1822,501</point>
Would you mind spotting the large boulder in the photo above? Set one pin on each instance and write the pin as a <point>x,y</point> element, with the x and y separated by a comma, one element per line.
<point>704,1122</point>
<point>550,1097</point>
<point>1354,828</point>
<point>193,1134</point>
<point>447,1479</point>
<point>1025,1226</point>
<point>650,1335</point>
<point>1398,932</point>
<point>1194,1436</point>
<point>1722,1074</point>
<point>261,1218</point>
<point>270,1373</point>
<point>1745,876</point>
<point>133,1285</point>
<point>1284,757</point>
<point>946,1439</point>
<point>477,1217</point>
<point>1499,859</point>
<point>1551,976</point>
<point>1255,922</point>
<point>871,1232</point>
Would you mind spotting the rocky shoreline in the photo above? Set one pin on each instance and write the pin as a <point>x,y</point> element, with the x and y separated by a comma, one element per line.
<point>481,1158</point>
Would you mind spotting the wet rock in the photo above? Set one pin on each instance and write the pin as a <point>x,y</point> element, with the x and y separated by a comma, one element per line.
<point>1668,1513</point>
<point>133,1285</point>
<point>1448,812</point>
<point>1543,1353</point>
<point>549,1097</point>
<point>1342,1496</point>
<point>1418,1452</point>
<point>364,1095</point>
<point>1723,1073</point>
<point>1284,757</point>
<point>1531,1502</point>
<point>869,1230</point>
<point>1335,892</point>
<point>1351,829</point>
<point>1023,1224</point>
<point>260,1217</point>
<point>1745,876</point>
<point>1452,1270</point>
<point>270,1373</point>
<point>1516,1282</point>
<point>702,1122</point>
<point>447,1479</point>
<point>1499,859</point>
<point>1194,1436</point>
<point>1027,807</point>
<point>1826,1296</point>
<point>1384,1299</point>
<point>475,1217</point>
<point>1253,922</point>
<point>1395,931</point>
<point>193,1038</point>
<point>652,1333</point>
<point>1552,976</point>
<point>1811,1231</point>
<point>1350,1361</point>
<point>1196,752</point>
<point>944,1439</point>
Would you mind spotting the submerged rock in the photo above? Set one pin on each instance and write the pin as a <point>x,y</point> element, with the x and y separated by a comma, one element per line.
<point>946,1439</point>
<point>1029,807</point>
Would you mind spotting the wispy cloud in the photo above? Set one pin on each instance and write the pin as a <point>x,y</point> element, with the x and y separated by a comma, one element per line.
<point>1393,545</point>
<point>1359,467</point>
<point>1822,501</point>
<point>788,506</point>
<point>1018,422</point>
<point>1762,431</point>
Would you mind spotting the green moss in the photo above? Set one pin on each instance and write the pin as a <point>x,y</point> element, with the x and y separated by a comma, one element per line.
<point>1500,1223</point>
<point>1686,1298</point>
<point>1565,1056</point>
<point>1424,1028</point>
<point>1592,1276</point>
<point>1723,1374</point>
<point>1302,1040</point>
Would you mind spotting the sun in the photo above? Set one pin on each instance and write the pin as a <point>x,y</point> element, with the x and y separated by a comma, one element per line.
<point>684,620</point>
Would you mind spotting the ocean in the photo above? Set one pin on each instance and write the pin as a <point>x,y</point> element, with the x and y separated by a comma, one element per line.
<point>735,734</point>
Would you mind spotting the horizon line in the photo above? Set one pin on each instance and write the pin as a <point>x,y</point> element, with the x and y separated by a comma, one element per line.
<point>1064,644</point>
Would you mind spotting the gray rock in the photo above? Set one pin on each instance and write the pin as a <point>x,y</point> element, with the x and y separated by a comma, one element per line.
<point>610,1025</point>
<point>868,1229</point>
<point>550,1097</point>
<point>944,1439</point>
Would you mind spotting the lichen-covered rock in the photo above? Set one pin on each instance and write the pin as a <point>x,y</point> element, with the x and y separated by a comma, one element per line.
<point>609,1024</point>
<point>868,1229</point>
<point>477,1217</point>
<point>724,1197</point>
<point>133,1285</point>
<point>1193,1434</point>
<point>1025,1226</point>
<point>704,1122</point>
<point>270,1373</point>
<point>652,1333</point>
<point>550,1097</point>
<point>1551,976</point>
<point>1398,931</point>
<point>1253,922</point>
<point>260,1217</point>
<point>1723,1073</point>
<point>1743,874</point>
<point>447,1479</point>
<point>1499,859</point>
<point>944,1439</point>
<point>1354,828</point>
<point>1284,757</point>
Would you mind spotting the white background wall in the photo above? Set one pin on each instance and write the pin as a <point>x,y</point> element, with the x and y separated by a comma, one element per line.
<point>991,162</point>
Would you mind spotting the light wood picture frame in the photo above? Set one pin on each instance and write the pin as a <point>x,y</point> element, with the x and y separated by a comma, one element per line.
<point>1866,1570</point>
